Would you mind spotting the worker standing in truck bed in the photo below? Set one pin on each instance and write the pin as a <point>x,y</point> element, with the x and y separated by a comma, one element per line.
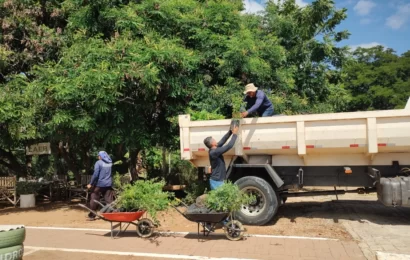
<point>257,103</point>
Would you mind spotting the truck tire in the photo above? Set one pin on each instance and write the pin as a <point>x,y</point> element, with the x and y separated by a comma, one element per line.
<point>266,205</point>
<point>11,236</point>
<point>12,253</point>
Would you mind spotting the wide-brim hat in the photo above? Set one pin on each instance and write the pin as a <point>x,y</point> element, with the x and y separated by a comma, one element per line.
<point>250,88</point>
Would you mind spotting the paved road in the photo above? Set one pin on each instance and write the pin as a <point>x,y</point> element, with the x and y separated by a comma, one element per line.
<point>375,227</point>
<point>378,228</point>
<point>184,247</point>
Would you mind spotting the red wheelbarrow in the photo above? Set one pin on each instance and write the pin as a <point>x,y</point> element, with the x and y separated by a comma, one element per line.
<point>145,227</point>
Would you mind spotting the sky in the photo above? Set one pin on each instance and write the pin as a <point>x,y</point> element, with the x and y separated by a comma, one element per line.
<point>370,22</point>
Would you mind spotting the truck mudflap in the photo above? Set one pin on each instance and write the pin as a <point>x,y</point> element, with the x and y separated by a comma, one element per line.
<point>394,191</point>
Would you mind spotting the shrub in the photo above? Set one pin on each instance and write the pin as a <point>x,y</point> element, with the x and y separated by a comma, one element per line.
<point>194,190</point>
<point>27,187</point>
<point>227,198</point>
<point>145,195</point>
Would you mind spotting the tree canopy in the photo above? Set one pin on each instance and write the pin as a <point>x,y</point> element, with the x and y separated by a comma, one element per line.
<point>114,75</point>
<point>380,79</point>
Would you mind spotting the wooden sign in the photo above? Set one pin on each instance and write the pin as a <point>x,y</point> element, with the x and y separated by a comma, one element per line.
<point>38,149</point>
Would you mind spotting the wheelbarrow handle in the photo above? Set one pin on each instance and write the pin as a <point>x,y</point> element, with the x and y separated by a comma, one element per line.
<point>180,212</point>
<point>92,211</point>
<point>102,205</point>
<point>99,203</point>
<point>180,201</point>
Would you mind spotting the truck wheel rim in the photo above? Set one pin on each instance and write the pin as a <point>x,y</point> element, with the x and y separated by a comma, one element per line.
<point>257,206</point>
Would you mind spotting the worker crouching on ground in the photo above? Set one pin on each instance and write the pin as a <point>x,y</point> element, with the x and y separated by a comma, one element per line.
<point>101,181</point>
<point>257,103</point>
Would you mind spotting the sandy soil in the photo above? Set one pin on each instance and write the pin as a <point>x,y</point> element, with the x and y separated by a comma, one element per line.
<point>53,255</point>
<point>315,217</point>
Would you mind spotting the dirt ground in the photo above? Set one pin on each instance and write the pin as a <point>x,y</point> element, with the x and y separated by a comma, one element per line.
<point>309,216</point>
<point>52,255</point>
<point>353,218</point>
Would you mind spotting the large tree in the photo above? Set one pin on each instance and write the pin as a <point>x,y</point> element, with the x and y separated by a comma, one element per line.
<point>31,33</point>
<point>287,50</point>
<point>379,79</point>
<point>115,74</point>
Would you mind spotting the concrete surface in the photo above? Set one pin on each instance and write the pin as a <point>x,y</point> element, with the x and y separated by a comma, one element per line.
<point>390,256</point>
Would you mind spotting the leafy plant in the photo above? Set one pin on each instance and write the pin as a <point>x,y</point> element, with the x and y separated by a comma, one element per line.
<point>204,115</point>
<point>194,190</point>
<point>237,106</point>
<point>145,195</point>
<point>227,198</point>
<point>27,187</point>
<point>117,182</point>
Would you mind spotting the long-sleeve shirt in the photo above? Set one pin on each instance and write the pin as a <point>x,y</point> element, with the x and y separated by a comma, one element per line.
<point>216,157</point>
<point>259,103</point>
<point>102,174</point>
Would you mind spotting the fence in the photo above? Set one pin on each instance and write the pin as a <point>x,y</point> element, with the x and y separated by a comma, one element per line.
<point>8,189</point>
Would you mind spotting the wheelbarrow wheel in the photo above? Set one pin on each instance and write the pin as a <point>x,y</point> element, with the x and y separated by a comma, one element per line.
<point>145,227</point>
<point>234,230</point>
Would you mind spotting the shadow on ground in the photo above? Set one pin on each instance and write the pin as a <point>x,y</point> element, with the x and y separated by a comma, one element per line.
<point>41,207</point>
<point>296,212</point>
<point>353,210</point>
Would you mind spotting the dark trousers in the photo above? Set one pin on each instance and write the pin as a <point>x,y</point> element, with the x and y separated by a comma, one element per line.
<point>108,194</point>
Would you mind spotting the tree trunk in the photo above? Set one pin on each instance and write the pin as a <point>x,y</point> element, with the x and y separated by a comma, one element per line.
<point>133,155</point>
<point>74,166</point>
<point>119,151</point>
<point>164,162</point>
<point>85,158</point>
<point>56,158</point>
<point>69,158</point>
<point>29,166</point>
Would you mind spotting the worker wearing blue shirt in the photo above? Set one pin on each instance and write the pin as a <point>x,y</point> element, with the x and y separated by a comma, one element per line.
<point>101,181</point>
<point>257,103</point>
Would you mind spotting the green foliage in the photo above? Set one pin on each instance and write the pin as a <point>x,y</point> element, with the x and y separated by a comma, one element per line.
<point>27,187</point>
<point>117,184</point>
<point>227,198</point>
<point>204,115</point>
<point>115,74</point>
<point>194,190</point>
<point>379,79</point>
<point>145,195</point>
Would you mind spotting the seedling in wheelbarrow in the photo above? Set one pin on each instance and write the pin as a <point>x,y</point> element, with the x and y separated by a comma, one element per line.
<point>224,201</point>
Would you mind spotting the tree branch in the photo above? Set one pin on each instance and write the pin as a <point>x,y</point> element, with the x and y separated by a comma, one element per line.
<point>8,165</point>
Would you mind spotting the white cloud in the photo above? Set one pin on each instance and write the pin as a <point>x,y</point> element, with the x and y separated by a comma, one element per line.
<point>397,20</point>
<point>364,7</point>
<point>365,45</point>
<point>301,3</point>
<point>252,6</point>
<point>365,21</point>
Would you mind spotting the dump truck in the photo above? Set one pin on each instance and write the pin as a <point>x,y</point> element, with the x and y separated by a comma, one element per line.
<point>275,157</point>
